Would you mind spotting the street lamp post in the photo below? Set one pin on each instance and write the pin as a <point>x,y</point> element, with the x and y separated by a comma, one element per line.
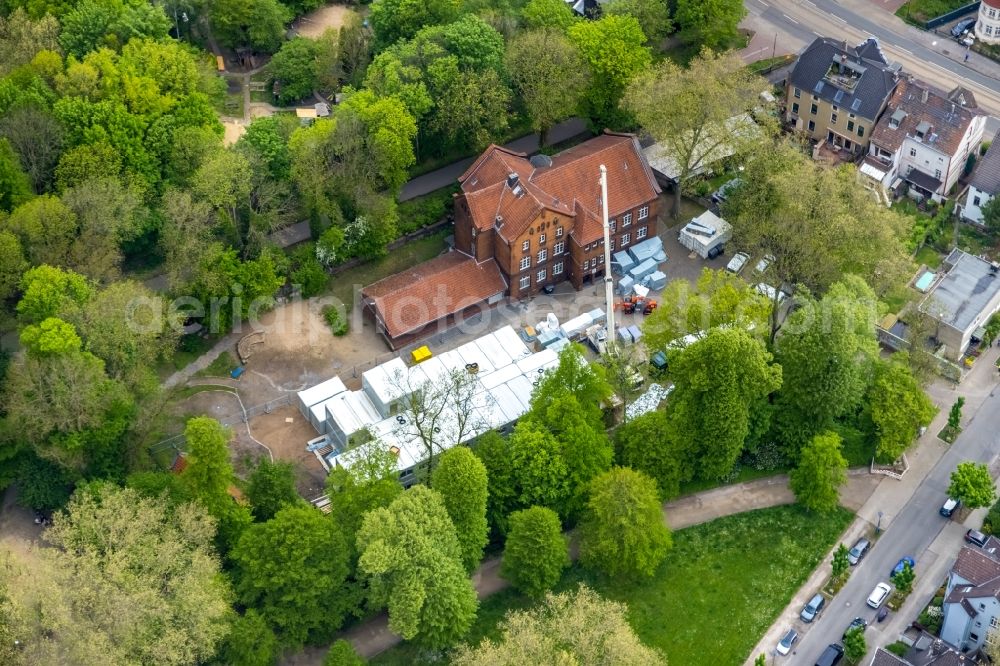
<point>878,527</point>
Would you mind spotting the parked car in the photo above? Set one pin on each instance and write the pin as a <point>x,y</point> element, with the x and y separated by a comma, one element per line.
<point>902,562</point>
<point>787,641</point>
<point>764,263</point>
<point>855,623</point>
<point>831,655</point>
<point>859,550</point>
<point>962,26</point>
<point>976,538</point>
<point>879,595</point>
<point>725,190</point>
<point>949,507</point>
<point>738,261</point>
<point>813,608</point>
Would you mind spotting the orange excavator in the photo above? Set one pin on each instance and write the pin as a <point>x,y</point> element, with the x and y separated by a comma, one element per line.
<point>630,304</point>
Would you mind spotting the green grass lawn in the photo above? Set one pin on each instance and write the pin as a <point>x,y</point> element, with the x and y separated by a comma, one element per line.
<point>220,367</point>
<point>719,589</point>
<point>411,254</point>
<point>929,257</point>
<point>921,11</point>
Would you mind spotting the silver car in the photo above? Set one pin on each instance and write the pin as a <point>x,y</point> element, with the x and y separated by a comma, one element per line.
<point>737,263</point>
<point>855,554</point>
<point>786,642</point>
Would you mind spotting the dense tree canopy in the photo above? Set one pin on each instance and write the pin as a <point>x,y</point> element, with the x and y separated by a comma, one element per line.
<point>898,408</point>
<point>821,471</point>
<point>536,552</point>
<point>412,560</point>
<point>460,478</point>
<point>576,627</point>
<point>118,556</point>
<point>972,484</point>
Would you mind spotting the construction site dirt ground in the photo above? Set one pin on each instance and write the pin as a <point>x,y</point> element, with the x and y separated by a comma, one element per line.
<point>315,23</point>
<point>286,432</point>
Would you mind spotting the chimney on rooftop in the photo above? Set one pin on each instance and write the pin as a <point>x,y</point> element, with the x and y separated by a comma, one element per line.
<point>924,95</point>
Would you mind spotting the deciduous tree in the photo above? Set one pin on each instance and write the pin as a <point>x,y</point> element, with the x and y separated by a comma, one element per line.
<point>573,376</point>
<point>295,67</point>
<point>536,553</point>
<point>120,556</point>
<point>711,23</point>
<point>972,484</point>
<point>271,488</point>
<point>37,138</point>
<point>855,647</point>
<point>653,16</point>
<point>614,50</point>
<point>623,533</point>
<point>699,114</point>
<point>21,38</point>
<point>554,14</point>
<point>898,408</point>
<point>50,292</point>
<point>903,579</point>
<point>259,24</point>
<point>645,444</point>
<point>342,653</point>
<point>293,569</point>
<point>460,477</point>
<point>46,228</point>
<point>719,298</point>
<point>576,627</point>
<point>840,564</point>
<point>827,354</point>
<point>412,560</point>
<point>821,471</point>
<point>393,20</point>
<point>551,87</point>
<point>251,642</point>
<point>15,188</point>
<point>719,379</point>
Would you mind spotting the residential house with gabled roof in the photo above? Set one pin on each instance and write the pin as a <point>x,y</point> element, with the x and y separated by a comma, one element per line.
<point>523,225</point>
<point>972,597</point>
<point>985,184</point>
<point>836,93</point>
<point>923,139</point>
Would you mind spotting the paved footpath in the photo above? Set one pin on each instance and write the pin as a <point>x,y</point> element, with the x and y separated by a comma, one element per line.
<point>374,637</point>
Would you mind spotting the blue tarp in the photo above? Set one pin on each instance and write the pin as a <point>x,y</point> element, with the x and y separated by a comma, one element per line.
<point>622,262</point>
<point>643,269</point>
<point>647,249</point>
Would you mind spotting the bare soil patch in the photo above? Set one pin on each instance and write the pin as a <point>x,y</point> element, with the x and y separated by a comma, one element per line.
<point>287,441</point>
<point>315,23</point>
<point>234,129</point>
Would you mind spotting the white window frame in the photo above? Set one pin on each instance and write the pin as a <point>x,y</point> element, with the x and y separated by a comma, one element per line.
<point>526,246</point>
<point>626,219</point>
<point>643,212</point>
<point>543,254</point>
<point>641,232</point>
<point>525,263</point>
<point>541,239</point>
<point>557,268</point>
<point>611,224</point>
<point>612,246</point>
<point>626,239</point>
<point>525,282</point>
<point>559,232</point>
<point>540,277</point>
<point>559,248</point>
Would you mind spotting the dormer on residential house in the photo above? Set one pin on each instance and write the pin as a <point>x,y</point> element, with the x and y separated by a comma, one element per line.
<point>922,142</point>
<point>837,92</point>
<point>972,596</point>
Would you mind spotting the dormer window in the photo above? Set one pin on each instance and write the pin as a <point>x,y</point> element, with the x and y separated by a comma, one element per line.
<point>896,118</point>
<point>923,129</point>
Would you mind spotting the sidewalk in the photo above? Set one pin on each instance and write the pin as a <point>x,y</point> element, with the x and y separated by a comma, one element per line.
<point>890,496</point>
<point>446,176</point>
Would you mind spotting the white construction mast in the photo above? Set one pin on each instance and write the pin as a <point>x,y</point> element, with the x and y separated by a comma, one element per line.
<point>609,291</point>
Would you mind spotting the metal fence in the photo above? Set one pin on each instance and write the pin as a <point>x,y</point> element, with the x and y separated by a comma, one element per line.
<point>951,16</point>
<point>269,407</point>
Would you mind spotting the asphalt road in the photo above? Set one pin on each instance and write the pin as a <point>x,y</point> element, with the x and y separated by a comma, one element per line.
<point>798,22</point>
<point>909,533</point>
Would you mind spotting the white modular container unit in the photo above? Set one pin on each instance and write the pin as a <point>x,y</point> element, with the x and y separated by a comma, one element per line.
<point>472,354</point>
<point>501,376</point>
<point>319,393</point>
<point>348,414</point>
<point>494,350</point>
<point>385,384</point>
<point>512,343</point>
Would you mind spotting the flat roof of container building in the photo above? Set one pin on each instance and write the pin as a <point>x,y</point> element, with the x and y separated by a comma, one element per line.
<point>321,392</point>
<point>472,353</point>
<point>509,403</point>
<point>383,380</point>
<point>512,342</point>
<point>522,387</point>
<point>494,350</point>
<point>501,376</point>
<point>352,411</point>
<point>318,411</point>
<point>432,370</point>
<point>538,361</point>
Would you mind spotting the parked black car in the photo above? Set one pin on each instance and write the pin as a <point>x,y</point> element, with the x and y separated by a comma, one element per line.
<point>855,623</point>
<point>831,655</point>
<point>962,26</point>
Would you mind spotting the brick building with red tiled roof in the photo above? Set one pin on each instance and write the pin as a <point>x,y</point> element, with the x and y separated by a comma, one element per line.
<point>522,225</point>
